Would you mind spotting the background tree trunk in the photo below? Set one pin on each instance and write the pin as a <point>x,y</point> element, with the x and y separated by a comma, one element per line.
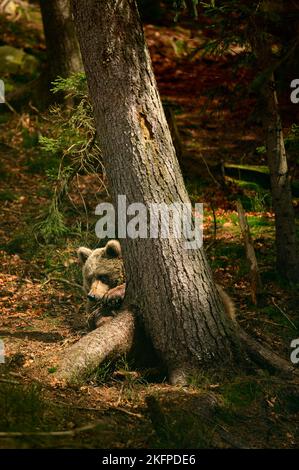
<point>285,233</point>
<point>63,50</point>
<point>171,287</point>
<point>287,257</point>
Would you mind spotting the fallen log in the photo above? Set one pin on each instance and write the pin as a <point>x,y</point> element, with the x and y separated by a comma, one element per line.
<point>112,339</point>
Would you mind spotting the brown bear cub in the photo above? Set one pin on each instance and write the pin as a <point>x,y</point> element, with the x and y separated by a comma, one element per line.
<point>103,282</point>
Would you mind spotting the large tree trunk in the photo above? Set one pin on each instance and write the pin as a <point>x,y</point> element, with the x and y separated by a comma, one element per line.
<point>170,286</point>
<point>63,50</point>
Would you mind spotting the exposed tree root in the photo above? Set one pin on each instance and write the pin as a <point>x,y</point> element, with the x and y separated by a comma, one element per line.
<point>266,357</point>
<point>112,339</point>
<point>115,337</point>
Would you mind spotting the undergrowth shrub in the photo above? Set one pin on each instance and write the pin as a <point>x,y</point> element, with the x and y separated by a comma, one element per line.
<point>73,145</point>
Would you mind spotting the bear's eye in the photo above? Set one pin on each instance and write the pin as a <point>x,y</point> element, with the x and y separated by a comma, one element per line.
<point>102,278</point>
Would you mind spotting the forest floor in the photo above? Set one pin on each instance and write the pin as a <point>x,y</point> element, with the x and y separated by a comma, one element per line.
<point>42,306</point>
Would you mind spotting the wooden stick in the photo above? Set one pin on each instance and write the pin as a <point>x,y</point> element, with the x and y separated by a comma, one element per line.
<point>284,314</point>
<point>99,410</point>
<point>255,280</point>
<point>72,432</point>
<point>7,381</point>
<point>61,279</point>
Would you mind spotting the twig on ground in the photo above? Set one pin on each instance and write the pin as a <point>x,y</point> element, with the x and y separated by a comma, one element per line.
<point>284,314</point>
<point>209,171</point>
<point>72,432</point>
<point>105,410</point>
<point>120,395</point>
<point>7,381</point>
<point>60,279</point>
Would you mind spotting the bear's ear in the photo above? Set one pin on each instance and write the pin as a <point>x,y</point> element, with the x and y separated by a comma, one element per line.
<point>113,249</point>
<point>83,253</point>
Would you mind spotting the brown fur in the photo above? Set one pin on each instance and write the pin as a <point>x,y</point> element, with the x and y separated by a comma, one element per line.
<point>229,306</point>
<point>102,268</point>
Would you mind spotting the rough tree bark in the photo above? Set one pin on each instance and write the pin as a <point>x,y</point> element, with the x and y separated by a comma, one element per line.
<point>113,339</point>
<point>169,286</point>
<point>63,50</point>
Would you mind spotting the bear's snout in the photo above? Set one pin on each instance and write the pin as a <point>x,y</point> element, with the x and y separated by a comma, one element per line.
<point>97,291</point>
